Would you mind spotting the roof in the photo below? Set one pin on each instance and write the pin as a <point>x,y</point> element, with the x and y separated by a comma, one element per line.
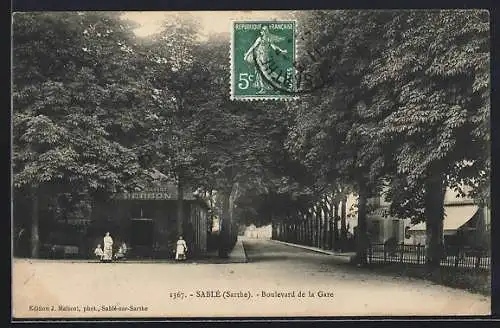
<point>455,217</point>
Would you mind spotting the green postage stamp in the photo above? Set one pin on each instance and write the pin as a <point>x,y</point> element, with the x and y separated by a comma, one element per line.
<point>262,60</point>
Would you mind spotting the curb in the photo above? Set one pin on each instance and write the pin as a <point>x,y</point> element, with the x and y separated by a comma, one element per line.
<point>159,261</point>
<point>245,257</point>
<point>318,250</point>
<point>244,251</point>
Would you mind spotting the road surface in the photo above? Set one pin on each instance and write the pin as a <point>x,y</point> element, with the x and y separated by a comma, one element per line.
<point>278,280</point>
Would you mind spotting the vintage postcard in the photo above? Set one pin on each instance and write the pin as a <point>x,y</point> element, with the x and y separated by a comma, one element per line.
<point>230,164</point>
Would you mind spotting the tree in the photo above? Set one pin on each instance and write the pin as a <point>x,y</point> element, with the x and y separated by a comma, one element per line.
<point>176,76</point>
<point>74,101</point>
<point>435,80</point>
<point>412,105</point>
<point>335,134</point>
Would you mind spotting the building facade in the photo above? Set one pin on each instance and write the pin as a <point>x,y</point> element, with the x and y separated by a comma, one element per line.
<point>465,223</point>
<point>381,226</point>
<point>147,221</point>
<point>253,232</point>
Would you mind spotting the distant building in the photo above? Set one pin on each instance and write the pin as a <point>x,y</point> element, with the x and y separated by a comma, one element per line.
<point>252,231</point>
<point>381,226</point>
<point>464,223</point>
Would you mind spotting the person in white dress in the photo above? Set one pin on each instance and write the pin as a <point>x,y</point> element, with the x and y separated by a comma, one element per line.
<point>181,249</point>
<point>108,247</point>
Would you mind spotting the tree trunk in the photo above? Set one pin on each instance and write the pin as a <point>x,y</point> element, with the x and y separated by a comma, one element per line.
<point>329,222</point>
<point>320,225</point>
<point>362,238</point>
<point>273,228</point>
<point>297,227</point>
<point>337,242</point>
<point>289,227</point>
<point>434,213</point>
<point>225,233</point>
<point>312,226</point>
<point>303,229</point>
<point>343,225</point>
<point>326,225</point>
<point>309,228</point>
<point>281,230</point>
<point>317,218</point>
<point>35,238</point>
<point>180,207</point>
<point>327,231</point>
<point>286,229</point>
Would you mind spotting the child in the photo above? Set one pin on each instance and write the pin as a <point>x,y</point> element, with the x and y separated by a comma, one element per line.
<point>121,252</point>
<point>99,252</point>
<point>181,249</point>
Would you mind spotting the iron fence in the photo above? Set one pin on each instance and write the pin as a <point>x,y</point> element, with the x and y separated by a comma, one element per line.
<point>464,258</point>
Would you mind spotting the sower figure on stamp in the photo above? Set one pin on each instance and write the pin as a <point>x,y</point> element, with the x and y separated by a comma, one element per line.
<point>262,46</point>
<point>108,248</point>
<point>181,249</point>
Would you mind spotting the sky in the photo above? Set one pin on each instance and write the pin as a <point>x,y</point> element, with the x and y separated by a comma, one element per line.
<point>210,21</point>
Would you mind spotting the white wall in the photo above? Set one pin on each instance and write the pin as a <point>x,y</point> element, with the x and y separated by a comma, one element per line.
<point>386,228</point>
<point>417,237</point>
<point>264,232</point>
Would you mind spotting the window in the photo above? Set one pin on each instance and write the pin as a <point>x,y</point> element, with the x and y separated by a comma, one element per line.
<point>407,232</point>
<point>375,231</point>
<point>374,201</point>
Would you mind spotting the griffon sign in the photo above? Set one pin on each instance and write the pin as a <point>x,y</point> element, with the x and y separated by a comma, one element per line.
<point>153,194</point>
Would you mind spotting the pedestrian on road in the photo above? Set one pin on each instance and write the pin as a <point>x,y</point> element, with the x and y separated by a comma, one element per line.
<point>181,249</point>
<point>108,248</point>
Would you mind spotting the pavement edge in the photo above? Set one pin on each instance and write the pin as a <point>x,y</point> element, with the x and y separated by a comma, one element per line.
<point>350,258</point>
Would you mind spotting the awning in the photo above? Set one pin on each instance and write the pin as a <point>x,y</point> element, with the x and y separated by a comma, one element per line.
<point>454,217</point>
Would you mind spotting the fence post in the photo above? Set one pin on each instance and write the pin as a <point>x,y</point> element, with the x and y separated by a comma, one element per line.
<point>402,252</point>
<point>478,261</point>
<point>457,258</point>
<point>418,255</point>
<point>369,260</point>
<point>385,253</point>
